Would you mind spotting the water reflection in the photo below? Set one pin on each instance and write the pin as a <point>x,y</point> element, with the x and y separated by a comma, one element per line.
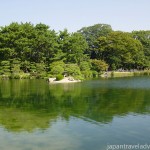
<point>27,105</point>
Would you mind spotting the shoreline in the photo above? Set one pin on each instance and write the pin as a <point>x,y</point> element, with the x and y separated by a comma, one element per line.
<point>108,74</point>
<point>114,74</point>
<point>64,80</point>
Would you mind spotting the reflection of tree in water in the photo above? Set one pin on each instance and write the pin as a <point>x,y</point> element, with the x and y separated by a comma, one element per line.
<point>27,105</point>
<point>16,119</point>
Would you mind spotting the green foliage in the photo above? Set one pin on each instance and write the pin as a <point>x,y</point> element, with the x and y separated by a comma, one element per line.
<point>37,50</point>
<point>15,66</point>
<point>95,74</point>
<point>5,68</point>
<point>32,67</point>
<point>57,70</point>
<point>144,38</point>
<point>91,34</point>
<point>40,67</point>
<point>72,70</point>
<point>121,50</point>
<point>99,65</point>
<point>25,76</point>
<point>57,63</point>
<point>113,67</point>
<point>87,74</point>
<point>15,76</point>
<point>79,77</point>
<point>59,77</point>
<point>76,49</point>
<point>25,66</point>
<point>85,66</point>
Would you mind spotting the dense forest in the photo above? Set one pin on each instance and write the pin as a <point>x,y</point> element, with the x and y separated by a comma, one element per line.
<point>36,51</point>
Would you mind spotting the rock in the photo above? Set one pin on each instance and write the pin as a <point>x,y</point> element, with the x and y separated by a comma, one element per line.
<point>50,80</point>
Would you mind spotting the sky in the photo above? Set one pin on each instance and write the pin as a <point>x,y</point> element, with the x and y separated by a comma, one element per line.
<point>124,15</point>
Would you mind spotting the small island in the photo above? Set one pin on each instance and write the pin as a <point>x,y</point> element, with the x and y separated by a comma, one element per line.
<point>64,80</point>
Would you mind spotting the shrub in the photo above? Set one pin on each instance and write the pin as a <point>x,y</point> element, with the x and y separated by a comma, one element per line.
<point>41,75</point>
<point>78,77</point>
<point>32,67</point>
<point>40,67</point>
<point>73,70</point>
<point>87,74</point>
<point>95,74</point>
<point>5,76</point>
<point>113,67</point>
<point>15,76</point>
<point>56,70</point>
<point>15,66</point>
<point>25,76</point>
<point>5,68</point>
<point>57,63</point>
<point>85,66</point>
<point>99,65</point>
<point>59,77</point>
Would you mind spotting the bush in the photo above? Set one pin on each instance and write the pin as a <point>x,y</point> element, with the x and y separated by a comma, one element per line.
<point>40,67</point>
<point>85,66</point>
<point>87,74</point>
<point>57,63</point>
<point>113,67</point>
<point>73,70</point>
<point>32,67</point>
<point>25,76</point>
<point>15,76</point>
<point>4,76</point>
<point>5,68</point>
<point>59,77</point>
<point>99,65</point>
<point>78,78</point>
<point>95,74</point>
<point>41,75</point>
<point>50,75</point>
<point>56,70</point>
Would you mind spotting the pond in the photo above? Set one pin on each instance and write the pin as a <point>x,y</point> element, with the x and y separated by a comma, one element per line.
<point>91,115</point>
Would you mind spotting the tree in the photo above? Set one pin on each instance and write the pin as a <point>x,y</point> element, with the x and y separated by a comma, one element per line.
<point>45,45</point>
<point>99,65</point>
<point>72,70</point>
<point>91,34</point>
<point>57,67</point>
<point>76,48</point>
<point>63,42</point>
<point>72,47</point>
<point>5,68</point>
<point>85,66</point>
<point>15,66</point>
<point>17,40</point>
<point>144,38</point>
<point>120,50</point>
<point>57,70</point>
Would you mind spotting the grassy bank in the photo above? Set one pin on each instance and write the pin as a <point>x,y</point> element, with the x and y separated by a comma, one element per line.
<point>110,74</point>
<point>22,76</point>
<point>125,74</point>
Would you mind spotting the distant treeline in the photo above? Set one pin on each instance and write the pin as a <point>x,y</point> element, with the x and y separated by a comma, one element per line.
<point>36,51</point>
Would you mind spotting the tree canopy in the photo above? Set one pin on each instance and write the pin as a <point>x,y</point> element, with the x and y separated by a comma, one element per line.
<point>28,50</point>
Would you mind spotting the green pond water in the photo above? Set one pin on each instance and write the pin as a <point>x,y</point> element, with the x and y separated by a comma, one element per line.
<point>78,116</point>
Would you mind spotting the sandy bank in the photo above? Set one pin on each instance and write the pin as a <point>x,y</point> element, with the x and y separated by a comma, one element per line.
<point>65,80</point>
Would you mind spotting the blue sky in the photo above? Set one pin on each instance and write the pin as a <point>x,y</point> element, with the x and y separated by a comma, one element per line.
<point>125,15</point>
